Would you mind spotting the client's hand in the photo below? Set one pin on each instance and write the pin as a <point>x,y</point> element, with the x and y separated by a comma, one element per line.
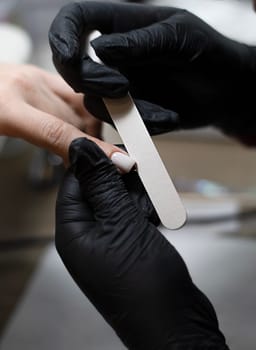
<point>41,108</point>
<point>107,238</point>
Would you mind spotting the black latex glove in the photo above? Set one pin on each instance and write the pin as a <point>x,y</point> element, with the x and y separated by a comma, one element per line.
<point>130,272</point>
<point>168,58</point>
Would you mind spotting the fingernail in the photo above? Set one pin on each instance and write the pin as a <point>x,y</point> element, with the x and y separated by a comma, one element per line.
<point>122,161</point>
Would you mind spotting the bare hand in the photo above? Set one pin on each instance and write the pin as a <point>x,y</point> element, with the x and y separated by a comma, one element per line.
<point>41,108</point>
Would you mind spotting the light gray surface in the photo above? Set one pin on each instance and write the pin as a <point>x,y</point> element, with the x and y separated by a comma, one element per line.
<point>54,314</point>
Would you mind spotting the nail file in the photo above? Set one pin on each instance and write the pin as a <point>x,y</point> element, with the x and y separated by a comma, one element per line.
<point>140,147</point>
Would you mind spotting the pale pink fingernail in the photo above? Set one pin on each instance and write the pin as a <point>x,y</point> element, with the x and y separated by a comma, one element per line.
<point>122,161</point>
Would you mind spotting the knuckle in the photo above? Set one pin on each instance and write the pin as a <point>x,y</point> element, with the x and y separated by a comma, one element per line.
<point>53,132</point>
<point>20,80</point>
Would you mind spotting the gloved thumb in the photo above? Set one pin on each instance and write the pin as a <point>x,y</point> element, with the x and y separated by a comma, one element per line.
<point>101,186</point>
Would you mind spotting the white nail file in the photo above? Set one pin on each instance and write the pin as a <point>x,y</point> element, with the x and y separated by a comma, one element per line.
<point>140,147</point>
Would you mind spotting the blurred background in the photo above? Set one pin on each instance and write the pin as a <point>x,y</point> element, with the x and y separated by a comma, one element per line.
<point>40,307</point>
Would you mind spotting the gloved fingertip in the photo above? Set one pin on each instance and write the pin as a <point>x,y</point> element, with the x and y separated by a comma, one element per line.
<point>97,108</point>
<point>62,51</point>
<point>166,122</point>
<point>101,80</point>
<point>157,119</point>
<point>87,158</point>
<point>82,147</point>
<point>111,48</point>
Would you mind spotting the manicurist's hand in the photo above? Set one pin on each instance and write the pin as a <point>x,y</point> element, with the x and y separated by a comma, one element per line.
<point>107,237</point>
<point>41,108</point>
<point>181,72</point>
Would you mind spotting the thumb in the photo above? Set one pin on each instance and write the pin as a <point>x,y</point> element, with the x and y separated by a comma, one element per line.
<point>102,187</point>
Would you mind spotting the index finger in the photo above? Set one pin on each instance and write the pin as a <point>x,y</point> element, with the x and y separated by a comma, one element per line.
<point>68,33</point>
<point>67,41</point>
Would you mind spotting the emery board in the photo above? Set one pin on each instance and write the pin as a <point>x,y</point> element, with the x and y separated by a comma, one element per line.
<point>141,148</point>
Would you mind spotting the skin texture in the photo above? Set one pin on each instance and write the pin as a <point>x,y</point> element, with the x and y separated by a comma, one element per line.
<point>41,108</point>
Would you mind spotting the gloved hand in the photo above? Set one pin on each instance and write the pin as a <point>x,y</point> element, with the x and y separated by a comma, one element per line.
<point>107,238</point>
<point>181,72</point>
